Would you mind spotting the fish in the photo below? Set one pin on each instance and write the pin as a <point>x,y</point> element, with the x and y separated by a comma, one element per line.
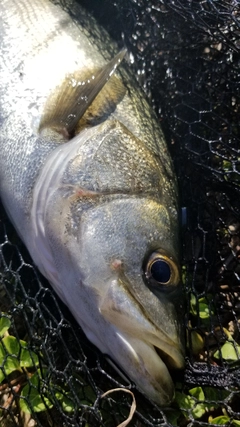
<point>88,182</point>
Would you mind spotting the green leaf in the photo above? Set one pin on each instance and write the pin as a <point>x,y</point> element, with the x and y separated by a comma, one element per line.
<point>58,394</point>
<point>200,307</point>
<point>197,342</point>
<point>215,395</point>
<point>2,376</point>
<point>9,351</point>
<point>204,311</point>
<point>193,304</point>
<point>14,355</point>
<point>31,396</point>
<point>28,359</point>
<point>229,351</point>
<point>89,396</point>
<point>235,423</point>
<point>34,400</point>
<point>189,404</point>
<point>198,393</point>
<point>227,166</point>
<point>173,417</point>
<point>67,404</point>
<point>199,410</point>
<point>9,345</point>
<point>5,324</point>
<point>10,365</point>
<point>221,420</point>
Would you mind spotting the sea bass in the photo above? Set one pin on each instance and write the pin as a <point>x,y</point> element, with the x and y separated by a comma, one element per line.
<point>87,180</point>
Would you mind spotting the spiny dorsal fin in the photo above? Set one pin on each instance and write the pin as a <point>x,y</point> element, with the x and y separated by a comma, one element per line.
<point>103,105</point>
<point>68,103</point>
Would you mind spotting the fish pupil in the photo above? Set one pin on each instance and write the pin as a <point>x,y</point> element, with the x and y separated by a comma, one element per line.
<point>160,271</point>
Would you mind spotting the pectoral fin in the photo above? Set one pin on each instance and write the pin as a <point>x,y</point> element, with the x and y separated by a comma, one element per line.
<point>69,102</point>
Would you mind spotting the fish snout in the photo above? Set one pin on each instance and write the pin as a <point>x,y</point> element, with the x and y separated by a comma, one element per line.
<point>145,349</point>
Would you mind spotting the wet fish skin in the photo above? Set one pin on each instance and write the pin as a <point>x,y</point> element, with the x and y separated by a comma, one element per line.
<point>93,207</point>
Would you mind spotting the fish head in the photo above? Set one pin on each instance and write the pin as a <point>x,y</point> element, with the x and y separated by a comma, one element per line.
<point>106,206</point>
<point>135,276</point>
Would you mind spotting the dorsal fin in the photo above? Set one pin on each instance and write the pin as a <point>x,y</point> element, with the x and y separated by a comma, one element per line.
<point>68,103</point>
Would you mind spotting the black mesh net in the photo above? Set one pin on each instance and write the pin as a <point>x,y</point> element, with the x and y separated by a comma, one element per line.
<point>187,58</point>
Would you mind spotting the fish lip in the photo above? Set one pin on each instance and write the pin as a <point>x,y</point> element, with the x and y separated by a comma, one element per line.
<point>171,363</point>
<point>170,350</point>
<point>159,386</point>
<point>152,375</point>
<point>174,359</point>
<point>167,364</point>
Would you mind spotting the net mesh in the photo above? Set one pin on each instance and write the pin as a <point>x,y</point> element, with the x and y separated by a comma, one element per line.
<point>187,58</point>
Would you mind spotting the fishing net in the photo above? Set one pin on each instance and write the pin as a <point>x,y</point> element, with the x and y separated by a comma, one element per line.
<point>186,55</point>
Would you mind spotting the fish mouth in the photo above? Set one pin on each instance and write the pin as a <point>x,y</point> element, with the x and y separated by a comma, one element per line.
<point>147,346</point>
<point>167,359</point>
<point>149,367</point>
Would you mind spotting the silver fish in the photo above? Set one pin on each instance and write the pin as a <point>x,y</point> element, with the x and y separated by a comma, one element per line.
<point>87,180</point>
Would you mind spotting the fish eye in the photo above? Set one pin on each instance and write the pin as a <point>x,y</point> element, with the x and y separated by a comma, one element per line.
<point>161,269</point>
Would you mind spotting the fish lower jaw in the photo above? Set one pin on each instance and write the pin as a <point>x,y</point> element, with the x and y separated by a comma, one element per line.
<point>143,365</point>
